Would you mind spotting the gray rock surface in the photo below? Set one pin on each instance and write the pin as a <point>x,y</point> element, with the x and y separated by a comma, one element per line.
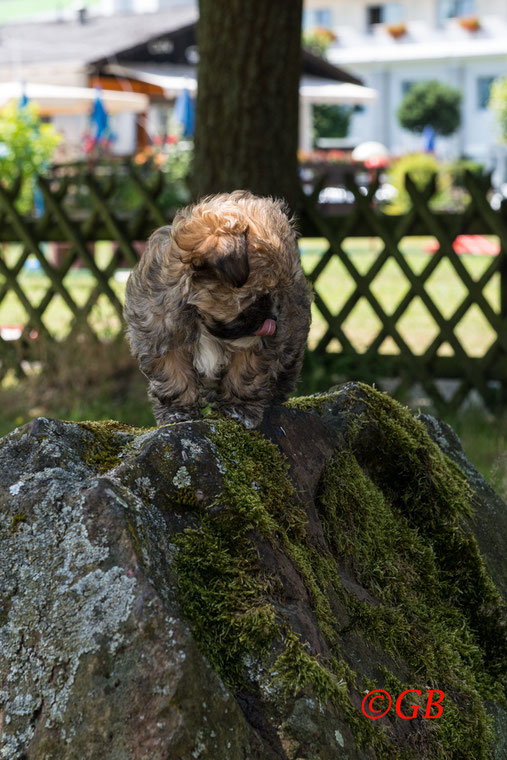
<point>103,649</point>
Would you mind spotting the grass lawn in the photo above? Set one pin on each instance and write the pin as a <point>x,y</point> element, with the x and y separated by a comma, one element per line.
<point>416,326</point>
<point>21,10</point>
<point>104,385</point>
<point>335,285</point>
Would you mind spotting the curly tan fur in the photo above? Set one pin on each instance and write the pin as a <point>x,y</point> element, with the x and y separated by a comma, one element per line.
<point>203,288</point>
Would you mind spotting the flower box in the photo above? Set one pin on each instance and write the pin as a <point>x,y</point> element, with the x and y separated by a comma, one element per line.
<point>396,31</point>
<point>470,23</point>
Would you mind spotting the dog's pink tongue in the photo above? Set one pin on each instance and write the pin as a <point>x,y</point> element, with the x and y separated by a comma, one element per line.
<point>268,328</point>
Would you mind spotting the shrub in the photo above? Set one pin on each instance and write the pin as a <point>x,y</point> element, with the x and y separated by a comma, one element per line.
<point>26,147</point>
<point>420,166</point>
<point>331,120</point>
<point>431,104</point>
<point>457,170</point>
<point>498,103</point>
<point>451,193</point>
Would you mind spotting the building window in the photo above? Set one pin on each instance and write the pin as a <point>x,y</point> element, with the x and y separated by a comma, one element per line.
<point>393,13</point>
<point>324,17</point>
<point>453,8</point>
<point>318,17</point>
<point>406,86</point>
<point>375,15</point>
<point>484,92</point>
<point>388,13</point>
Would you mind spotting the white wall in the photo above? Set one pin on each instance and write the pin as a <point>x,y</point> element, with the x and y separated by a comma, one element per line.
<point>109,7</point>
<point>353,12</point>
<point>74,127</point>
<point>478,133</point>
<point>124,126</point>
<point>481,130</point>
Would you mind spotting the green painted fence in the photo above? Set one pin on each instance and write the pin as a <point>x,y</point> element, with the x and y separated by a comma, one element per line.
<point>82,208</point>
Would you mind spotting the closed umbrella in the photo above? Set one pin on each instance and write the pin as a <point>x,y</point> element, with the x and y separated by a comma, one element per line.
<point>99,116</point>
<point>184,113</point>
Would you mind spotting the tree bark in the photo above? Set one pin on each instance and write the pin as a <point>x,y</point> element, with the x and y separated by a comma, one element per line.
<point>248,95</point>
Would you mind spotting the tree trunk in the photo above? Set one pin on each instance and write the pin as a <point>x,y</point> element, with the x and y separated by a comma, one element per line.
<point>247,102</point>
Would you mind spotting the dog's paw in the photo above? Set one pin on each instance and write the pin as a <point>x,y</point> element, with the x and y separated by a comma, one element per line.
<point>171,416</point>
<point>249,416</point>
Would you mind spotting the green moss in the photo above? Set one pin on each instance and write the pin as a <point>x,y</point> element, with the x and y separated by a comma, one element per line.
<point>109,440</point>
<point>296,668</point>
<point>16,520</point>
<point>333,680</point>
<point>223,588</point>
<point>223,585</point>
<point>186,497</point>
<point>229,598</point>
<point>134,534</point>
<point>48,750</point>
<point>311,403</point>
<point>398,521</point>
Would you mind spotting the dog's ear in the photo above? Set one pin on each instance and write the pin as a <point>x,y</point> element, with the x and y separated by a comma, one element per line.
<point>232,267</point>
<point>235,267</point>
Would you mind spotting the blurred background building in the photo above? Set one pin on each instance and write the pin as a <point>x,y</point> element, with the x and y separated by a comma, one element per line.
<point>149,47</point>
<point>112,45</point>
<point>392,45</point>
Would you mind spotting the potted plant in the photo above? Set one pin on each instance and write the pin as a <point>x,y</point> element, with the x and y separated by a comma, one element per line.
<point>470,23</point>
<point>318,40</point>
<point>396,30</point>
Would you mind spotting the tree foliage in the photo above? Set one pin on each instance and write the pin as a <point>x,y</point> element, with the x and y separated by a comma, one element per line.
<point>26,147</point>
<point>432,104</point>
<point>331,120</point>
<point>498,103</point>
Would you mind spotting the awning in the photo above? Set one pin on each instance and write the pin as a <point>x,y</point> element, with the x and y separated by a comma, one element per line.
<point>55,99</point>
<point>173,79</point>
<point>314,90</point>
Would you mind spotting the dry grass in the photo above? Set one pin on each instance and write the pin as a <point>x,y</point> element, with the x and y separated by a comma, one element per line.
<point>81,380</point>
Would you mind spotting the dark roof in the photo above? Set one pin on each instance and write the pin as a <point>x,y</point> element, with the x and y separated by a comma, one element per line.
<point>161,37</point>
<point>319,67</point>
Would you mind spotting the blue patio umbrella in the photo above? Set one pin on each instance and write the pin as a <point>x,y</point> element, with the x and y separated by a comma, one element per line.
<point>23,101</point>
<point>99,116</point>
<point>184,112</point>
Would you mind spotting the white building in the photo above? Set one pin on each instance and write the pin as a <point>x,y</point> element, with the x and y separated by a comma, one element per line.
<point>154,54</point>
<point>432,44</point>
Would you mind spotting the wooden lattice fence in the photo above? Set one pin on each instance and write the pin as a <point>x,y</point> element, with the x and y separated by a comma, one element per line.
<point>486,373</point>
<point>81,208</point>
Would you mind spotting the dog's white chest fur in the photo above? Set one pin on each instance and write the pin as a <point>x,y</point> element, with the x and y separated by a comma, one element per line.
<point>211,354</point>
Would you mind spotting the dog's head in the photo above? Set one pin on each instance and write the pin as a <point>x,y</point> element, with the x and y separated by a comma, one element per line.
<point>233,254</point>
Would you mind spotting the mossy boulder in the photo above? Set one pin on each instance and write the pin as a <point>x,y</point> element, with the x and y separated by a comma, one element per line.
<point>203,591</point>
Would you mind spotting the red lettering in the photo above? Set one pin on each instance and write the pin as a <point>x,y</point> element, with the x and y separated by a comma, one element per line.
<point>437,703</point>
<point>415,708</point>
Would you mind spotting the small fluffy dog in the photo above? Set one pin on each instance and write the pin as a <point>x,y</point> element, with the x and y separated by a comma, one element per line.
<point>218,309</point>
